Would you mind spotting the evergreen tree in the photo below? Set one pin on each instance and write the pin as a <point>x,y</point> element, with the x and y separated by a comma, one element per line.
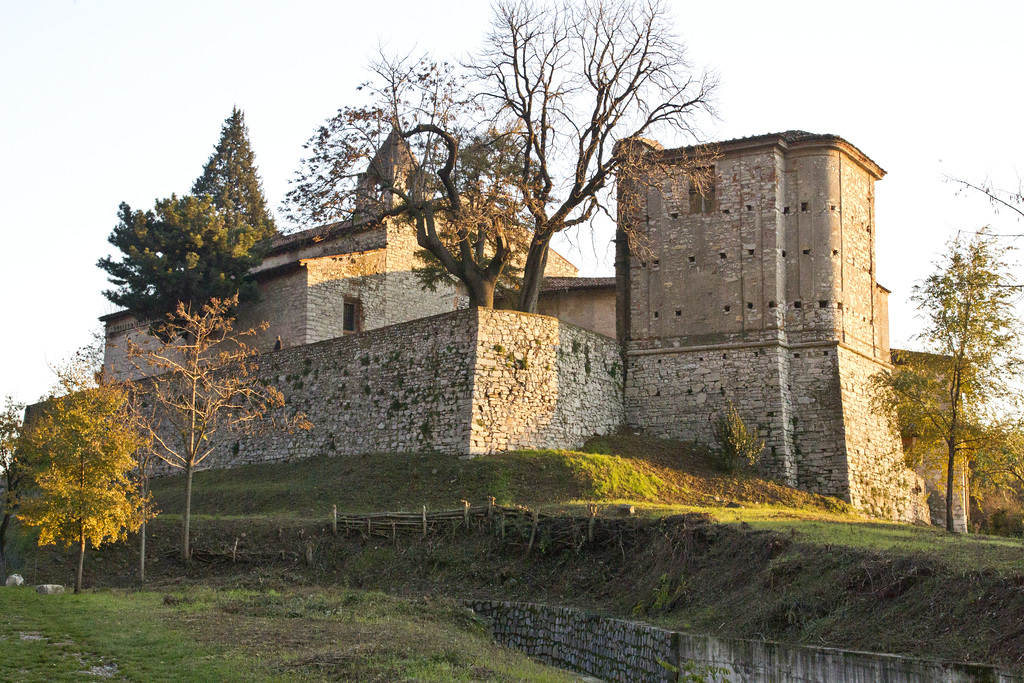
<point>195,248</point>
<point>231,179</point>
<point>186,250</point>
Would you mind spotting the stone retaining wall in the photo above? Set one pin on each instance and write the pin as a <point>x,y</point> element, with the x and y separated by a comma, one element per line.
<point>467,382</point>
<point>619,651</point>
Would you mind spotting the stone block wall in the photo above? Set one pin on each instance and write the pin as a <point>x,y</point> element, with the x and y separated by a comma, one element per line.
<point>541,383</point>
<point>439,384</point>
<point>614,650</point>
<point>619,651</point>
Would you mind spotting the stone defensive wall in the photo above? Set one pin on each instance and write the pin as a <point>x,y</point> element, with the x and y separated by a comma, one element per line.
<point>810,403</point>
<point>468,382</point>
<point>619,651</point>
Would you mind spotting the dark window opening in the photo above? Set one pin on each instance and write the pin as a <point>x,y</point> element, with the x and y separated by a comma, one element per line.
<point>693,259</point>
<point>771,304</point>
<point>674,214</point>
<point>348,323</point>
<point>725,210</point>
<point>655,315</point>
<point>679,313</point>
<point>655,264</point>
<point>796,355</point>
<point>807,251</point>
<point>798,304</point>
<point>822,304</point>
<point>750,252</point>
<point>839,305</point>
<point>750,207</point>
<point>726,308</point>
<point>803,206</point>
<point>831,207</point>
<point>785,209</point>
<point>750,306</point>
<point>835,252</point>
<point>783,253</point>
<point>721,254</point>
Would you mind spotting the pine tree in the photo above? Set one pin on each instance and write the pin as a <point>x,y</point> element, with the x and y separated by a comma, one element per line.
<point>230,178</point>
<point>185,250</point>
<point>195,248</point>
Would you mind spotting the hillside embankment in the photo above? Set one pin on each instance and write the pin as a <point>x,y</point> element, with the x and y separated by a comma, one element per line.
<point>787,567</point>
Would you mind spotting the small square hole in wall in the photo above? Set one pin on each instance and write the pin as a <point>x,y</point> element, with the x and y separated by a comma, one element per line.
<point>798,304</point>
<point>831,207</point>
<point>679,313</point>
<point>726,308</point>
<point>824,353</point>
<point>655,264</point>
<point>785,209</point>
<point>796,355</point>
<point>839,305</point>
<point>835,252</point>
<point>693,259</point>
<point>750,306</point>
<point>783,253</point>
<point>771,304</point>
<point>822,304</point>
<point>803,206</point>
<point>750,252</point>
<point>869,228</point>
<point>807,251</point>
<point>750,207</point>
<point>721,254</point>
<point>674,214</point>
<point>725,210</point>
<point>724,356</point>
<point>655,315</point>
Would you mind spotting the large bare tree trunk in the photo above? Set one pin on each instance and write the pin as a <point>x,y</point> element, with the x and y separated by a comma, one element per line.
<point>533,273</point>
<point>3,545</point>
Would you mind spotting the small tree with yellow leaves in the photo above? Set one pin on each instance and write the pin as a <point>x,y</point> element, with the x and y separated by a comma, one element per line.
<point>83,447</point>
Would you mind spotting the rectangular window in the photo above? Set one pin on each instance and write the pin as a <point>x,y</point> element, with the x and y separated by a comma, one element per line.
<point>349,321</point>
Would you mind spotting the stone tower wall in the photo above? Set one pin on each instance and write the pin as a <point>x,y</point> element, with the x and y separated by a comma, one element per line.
<point>763,295</point>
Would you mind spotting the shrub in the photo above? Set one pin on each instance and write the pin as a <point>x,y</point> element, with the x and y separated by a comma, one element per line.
<point>736,448</point>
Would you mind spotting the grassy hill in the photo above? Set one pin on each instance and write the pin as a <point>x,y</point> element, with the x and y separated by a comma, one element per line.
<point>779,564</point>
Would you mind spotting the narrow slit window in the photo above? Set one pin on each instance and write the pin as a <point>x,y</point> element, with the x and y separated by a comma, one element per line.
<point>702,194</point>
<point>783,253</point>
<point>348,323</point>
<point>803,207</point>
<point>655,315</point>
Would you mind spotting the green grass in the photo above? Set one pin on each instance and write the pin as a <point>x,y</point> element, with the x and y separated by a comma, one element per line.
<point>57,637</point>
<point>207,635</point>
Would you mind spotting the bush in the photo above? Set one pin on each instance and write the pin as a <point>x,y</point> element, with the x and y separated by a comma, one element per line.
<point>736,448</point>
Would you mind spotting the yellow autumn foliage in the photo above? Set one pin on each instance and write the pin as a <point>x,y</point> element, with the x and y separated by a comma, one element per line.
<point>83,449</point>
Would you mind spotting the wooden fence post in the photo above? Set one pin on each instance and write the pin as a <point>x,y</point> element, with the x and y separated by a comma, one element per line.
<point>334,520</point>
<point>533,532</point>
<point>424,521</point>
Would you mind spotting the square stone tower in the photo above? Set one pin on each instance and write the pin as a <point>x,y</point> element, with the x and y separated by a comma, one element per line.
<point>759,289</point>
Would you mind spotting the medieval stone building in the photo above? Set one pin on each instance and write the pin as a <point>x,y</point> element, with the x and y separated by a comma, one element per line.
<point>757,289</point>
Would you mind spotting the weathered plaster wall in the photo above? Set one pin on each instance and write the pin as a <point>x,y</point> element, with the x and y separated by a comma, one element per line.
<point>620,651</point>
<point>591,309</point>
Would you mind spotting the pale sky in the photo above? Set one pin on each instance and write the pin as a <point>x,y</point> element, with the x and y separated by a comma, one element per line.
<point>104,102</point>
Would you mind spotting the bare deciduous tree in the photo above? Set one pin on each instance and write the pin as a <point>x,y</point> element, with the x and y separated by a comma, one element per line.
<point>199,386</point>
<point>573,80</point>
<point>544,107</point>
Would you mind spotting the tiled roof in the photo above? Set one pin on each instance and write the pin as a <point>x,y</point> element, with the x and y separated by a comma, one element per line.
<point>556,284</point>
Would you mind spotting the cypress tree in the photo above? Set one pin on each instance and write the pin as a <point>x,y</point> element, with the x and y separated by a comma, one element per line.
<point>230,178</point>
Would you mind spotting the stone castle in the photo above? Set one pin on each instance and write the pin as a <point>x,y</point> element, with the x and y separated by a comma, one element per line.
<point>757,289</point>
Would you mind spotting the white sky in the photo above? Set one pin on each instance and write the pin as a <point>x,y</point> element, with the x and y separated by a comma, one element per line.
<point>103,102</point>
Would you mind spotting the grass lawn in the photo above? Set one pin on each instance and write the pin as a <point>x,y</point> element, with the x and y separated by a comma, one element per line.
<point>207,635</point>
